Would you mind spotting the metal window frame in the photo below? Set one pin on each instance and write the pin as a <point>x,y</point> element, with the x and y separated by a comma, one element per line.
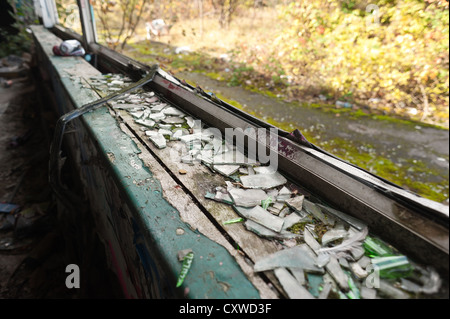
<point>87,22</point>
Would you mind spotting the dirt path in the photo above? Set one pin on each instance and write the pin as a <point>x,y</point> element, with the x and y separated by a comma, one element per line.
<point>413,156</point>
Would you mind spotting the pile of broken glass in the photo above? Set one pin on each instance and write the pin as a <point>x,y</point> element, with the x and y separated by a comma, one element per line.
<point>324,253</point>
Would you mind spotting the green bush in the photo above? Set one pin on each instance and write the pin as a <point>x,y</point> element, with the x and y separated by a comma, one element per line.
<point>397,63</point>
<point>21,42</point>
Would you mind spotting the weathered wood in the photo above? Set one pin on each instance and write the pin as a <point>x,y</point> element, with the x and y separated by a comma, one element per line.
<point>198,180</point>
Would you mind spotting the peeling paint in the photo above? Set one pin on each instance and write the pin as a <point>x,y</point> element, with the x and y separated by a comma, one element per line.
<point>111,157</point>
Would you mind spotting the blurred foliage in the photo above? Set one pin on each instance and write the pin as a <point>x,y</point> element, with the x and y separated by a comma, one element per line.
<point>68,15</point>
<point>117,20</point>
<point>392,55</point>
<point>18,42</point>
<point>227,8</point>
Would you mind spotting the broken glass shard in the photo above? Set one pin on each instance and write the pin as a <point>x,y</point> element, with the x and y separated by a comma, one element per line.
<point>208,147</point>
<point>209,134</point>
<point>368,293</point>
<point>187,139</point>
<point>137,115</point>
<point>233,221</point>
<point>392,266</point>
<point>205,156</point>
<point>325,291</point>
<point>314,210</point>
<point>375,247</point>
<point>196,145</point>
<point>273,193</point>
<point>236,158</point>
<point>187,262</point>
<point>187,159</point>
<point>295,203</point>
<point>225,170</point>
<point>190,121</point>
<point>290,220</point>
<point>344,263</point>
<point>157,116</point>
<point>163,131</point>
<point>146,123</point>
<point>173,120</point>
<point>263,181</point>
<point>273,210</point>
<point>285,211</point>
<point>172,111</point>
<point>322,260</point>
<point>230,185</point>
<point>223,198</point>
<point>265,170</point>
<point>352,244</point>
<point>410,286</point>
<point>235,177</point>
<point>165,126</point>
<point>310,241</point>
<point>266,202</point>
<point>126,106</point>
<point>210,195</point>
<point>261,216</point>
<point>335,270</point>
<point>344,217</point>
<point>333,234</point>
<point>277,205</point>
<point>148,94</point>
<point>265,232</point>
<point>158,139</point>
<point>292,288</point>
<point>221,189</point>
<point>295,257</point>
<point>243,170</point>
<point>314,283</point>
<point>364,261</point>
<point>353,293</point>
<point>310,228</point>
<point>284,194</point>
<point>153,99</point>
<point>342,295</point>
<point>387,289</point>
<point>220,148</point>
<point>357,252</point>
<point>157,108</point>
<point>247,197</point>
<point>146,114</point>
<point>299,275</point>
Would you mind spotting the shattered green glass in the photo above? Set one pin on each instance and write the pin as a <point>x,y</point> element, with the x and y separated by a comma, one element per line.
<point>187,261</point>
<point>354,292</point>
<point>266,202</point>
<point>393,266</point>
<point>374,247</point>
<point>233,221</point>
